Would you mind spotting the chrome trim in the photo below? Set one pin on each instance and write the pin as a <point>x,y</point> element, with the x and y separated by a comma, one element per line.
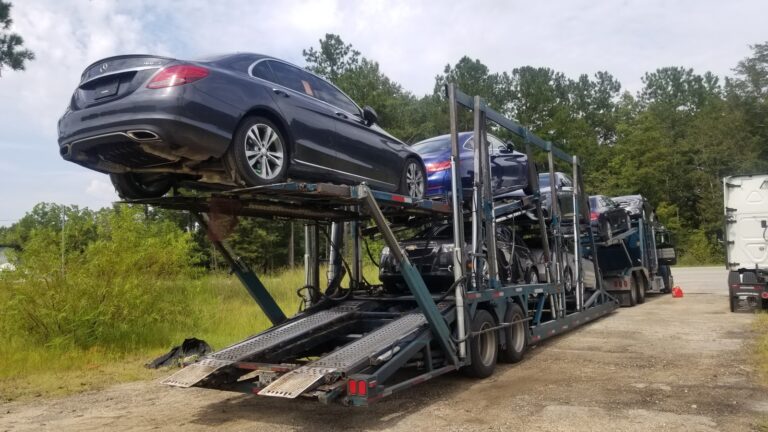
<point>131,134</point>
<point>135,69</point>
<point>341,172</point>
<point>115,134</point>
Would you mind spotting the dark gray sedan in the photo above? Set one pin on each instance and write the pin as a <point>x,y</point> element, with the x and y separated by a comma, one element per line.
<point>233,120</point>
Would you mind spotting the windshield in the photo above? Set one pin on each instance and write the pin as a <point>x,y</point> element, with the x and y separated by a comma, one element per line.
<point>432,145</point>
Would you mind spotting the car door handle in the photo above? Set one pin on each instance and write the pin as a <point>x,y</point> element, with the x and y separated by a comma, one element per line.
<point>282,93</point>
<point>342,115</point>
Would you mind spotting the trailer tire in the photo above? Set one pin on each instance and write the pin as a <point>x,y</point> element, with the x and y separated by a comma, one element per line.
<point>641,285</point>
<point>632,294</point>
<point>515,336</point>
<point>483,348</point>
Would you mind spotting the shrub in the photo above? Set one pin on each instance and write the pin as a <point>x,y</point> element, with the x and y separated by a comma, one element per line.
<point>116,292</point>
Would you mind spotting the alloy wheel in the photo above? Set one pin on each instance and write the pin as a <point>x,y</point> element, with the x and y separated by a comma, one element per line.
<point>264,151</point>
<point>414,180</point>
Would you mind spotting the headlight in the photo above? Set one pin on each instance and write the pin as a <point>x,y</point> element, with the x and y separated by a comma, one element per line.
<point>385,251</point>
<point>447,248</point>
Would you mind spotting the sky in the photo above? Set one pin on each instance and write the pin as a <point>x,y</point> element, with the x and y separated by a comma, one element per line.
<point>412,40</point>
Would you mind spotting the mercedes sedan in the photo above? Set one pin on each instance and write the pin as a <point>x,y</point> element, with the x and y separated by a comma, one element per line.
<point>153,122</point>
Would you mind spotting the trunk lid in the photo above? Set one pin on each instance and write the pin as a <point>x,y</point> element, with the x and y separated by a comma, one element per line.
<point>114,78</point>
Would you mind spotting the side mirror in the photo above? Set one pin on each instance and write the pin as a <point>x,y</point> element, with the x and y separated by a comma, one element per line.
<point>369,115</point>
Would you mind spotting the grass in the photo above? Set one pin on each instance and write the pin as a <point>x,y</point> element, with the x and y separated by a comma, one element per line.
<point>224,312</point>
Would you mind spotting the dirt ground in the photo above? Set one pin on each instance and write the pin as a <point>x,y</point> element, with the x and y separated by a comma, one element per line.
<point>670,364</point>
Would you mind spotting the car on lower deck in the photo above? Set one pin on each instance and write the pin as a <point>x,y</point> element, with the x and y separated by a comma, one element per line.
<point>509,168</point>
<point>227,121</point>
<point>431,252</point>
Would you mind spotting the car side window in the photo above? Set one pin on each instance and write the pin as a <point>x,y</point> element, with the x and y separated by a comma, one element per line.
<point>263,71</point>
<point>293,78</point>
<point>469,144</point>
<point>330,94</point>
<point>497,146</point>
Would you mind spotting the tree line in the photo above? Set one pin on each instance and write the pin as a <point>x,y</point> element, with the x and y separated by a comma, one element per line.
<point>672,141</point>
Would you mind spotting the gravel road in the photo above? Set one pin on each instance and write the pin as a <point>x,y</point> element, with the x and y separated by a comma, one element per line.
<point>670,364</point>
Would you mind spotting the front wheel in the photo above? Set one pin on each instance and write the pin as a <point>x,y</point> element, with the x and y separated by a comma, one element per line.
<point>414,180</point>
<point>258,154</point>
<point>140,186</point>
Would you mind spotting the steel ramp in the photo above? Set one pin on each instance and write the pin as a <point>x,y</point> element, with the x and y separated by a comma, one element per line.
<point>259,343</point>
<point>345,359</point>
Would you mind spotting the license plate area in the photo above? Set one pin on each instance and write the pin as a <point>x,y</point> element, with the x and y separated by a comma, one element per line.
<point>106,89</point>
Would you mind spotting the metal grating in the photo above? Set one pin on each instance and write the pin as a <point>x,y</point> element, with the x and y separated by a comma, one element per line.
<point>270,338</point>
<point>360,350</point>
<point>195,373</point>
<point>296,382</point>
<point>211,363</point>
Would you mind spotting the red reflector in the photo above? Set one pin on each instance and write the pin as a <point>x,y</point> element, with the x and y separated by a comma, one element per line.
<point>351,387</point>
<point>362,388</point>
<point>764,295</point>
<point>438,166</point>
<point>398,198</point>
<point>177,75</point>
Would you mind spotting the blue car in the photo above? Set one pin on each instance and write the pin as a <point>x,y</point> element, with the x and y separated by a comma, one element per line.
<point>509,168</point>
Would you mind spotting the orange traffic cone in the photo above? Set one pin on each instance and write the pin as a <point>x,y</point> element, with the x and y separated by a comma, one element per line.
<point>677,292</point>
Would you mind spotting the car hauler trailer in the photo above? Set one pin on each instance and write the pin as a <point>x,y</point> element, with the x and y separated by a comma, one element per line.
<point>746,241</point>
<point>636,262</point>
<point>359,344</point>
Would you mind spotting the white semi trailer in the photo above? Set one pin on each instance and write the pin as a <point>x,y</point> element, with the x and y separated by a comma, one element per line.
<point>746,240</point>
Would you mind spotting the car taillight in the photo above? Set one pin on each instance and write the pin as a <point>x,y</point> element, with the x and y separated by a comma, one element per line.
<point>593,216</point>
<point>177,75</point>
<point>352,387</point>
<point>438,166</point>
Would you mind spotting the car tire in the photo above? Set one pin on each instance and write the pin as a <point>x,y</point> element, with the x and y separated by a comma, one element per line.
<point>253,162</point>
<point>608,230</point>
<point>568,284</point>
<point>413,181</point>
<point>141,186</point>
<point>483,348</point>
<point>515,336</point>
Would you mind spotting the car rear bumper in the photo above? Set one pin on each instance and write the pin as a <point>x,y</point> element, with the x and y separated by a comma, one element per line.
<point>148,128</point>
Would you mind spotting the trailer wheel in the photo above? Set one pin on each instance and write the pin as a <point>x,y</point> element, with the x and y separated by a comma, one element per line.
<point>483,348</point>
<point>515,336</point>
<point>632,292</point>
<point>641,285</point>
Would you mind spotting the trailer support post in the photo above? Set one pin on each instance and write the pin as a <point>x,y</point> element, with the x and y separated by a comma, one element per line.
<point>247,277</point>
<point>457,191</point>
<point>412,278</point>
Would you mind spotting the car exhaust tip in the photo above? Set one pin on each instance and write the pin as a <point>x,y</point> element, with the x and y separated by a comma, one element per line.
<point>142,135</point>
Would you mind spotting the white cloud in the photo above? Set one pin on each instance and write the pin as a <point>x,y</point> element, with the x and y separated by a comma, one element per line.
<point>101,190</point>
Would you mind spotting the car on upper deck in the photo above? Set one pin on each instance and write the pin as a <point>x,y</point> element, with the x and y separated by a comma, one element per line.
<point>509,168</point>
<point>152,122</point>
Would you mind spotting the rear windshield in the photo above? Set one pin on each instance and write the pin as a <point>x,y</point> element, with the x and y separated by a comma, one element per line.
<point>593,202</point>
<point>432,145</point>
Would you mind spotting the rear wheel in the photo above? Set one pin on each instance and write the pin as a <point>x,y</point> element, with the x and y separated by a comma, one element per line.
<point>632,294</point>
<point>483,348</point>
<point>516,335</point>
<point>138,185</point>
<point>258,154</point>
<point>414,180</point>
